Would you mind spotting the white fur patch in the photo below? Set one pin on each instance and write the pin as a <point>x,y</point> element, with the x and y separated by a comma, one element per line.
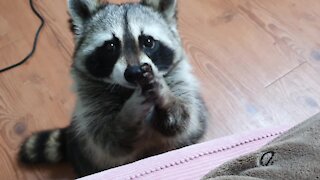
<point>29,147</point>
<point>52,147</point>
<point>117,75</point>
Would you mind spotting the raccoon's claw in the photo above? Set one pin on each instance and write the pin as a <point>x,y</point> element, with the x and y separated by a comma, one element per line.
<point>148,76</point>
<point>146,67</point>
<point>147,81</point>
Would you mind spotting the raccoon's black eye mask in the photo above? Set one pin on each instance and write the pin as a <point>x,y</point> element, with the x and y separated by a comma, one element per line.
<point>101,62</point>
<point>161,55</point>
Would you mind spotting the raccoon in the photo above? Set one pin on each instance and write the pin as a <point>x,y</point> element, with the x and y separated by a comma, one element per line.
<point>136,94</point>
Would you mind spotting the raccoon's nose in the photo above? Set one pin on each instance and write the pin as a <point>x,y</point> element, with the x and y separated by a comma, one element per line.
<point>132,73</point>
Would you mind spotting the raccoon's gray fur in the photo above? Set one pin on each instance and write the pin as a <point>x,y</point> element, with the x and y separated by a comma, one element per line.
<point>136,95</point>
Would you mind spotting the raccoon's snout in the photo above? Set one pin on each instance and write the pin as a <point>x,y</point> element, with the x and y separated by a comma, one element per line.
<point>133,73</point>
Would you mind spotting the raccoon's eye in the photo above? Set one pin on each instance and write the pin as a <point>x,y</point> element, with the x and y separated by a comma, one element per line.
<point>148,42</point>
<point>110,46</point>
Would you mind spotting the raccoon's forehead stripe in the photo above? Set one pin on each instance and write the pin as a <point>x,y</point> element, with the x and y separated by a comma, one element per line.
<point>130,47</point>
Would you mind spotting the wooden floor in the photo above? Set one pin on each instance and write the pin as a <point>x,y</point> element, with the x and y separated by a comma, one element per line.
<point>258,61</point>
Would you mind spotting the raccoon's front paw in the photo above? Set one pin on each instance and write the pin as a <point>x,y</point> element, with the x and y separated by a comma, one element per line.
<point>147,80</point>
<point>149,83</point>
<point>154,87</point>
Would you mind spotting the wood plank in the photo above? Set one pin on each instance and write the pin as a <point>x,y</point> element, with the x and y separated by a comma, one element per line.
<point>32,97</point>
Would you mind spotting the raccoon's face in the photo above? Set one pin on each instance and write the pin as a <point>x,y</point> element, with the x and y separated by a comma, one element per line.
<point>111,38</point>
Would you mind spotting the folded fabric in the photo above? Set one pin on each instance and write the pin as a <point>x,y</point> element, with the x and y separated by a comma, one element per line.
<point>294,155</point>
<point>195,161</point>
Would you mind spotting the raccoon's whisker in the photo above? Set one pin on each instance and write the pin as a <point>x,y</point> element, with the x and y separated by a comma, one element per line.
<point>110,87</point>
<point>182,93</point>
<point>113,87</point>
<point>172,68</point>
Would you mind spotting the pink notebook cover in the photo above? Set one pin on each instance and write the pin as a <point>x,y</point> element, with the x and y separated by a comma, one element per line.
<point>191,162</point>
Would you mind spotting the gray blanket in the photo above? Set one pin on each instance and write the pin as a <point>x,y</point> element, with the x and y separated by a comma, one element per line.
<point>293,155</point>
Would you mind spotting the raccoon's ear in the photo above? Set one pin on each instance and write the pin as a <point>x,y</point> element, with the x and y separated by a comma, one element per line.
<point>80,11</point>
<point>168,8</point>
